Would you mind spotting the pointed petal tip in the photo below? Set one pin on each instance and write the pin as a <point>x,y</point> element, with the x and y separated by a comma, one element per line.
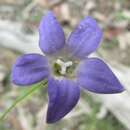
<point>51,121</point>
<point>120,89</point>
<point>49,15</point>
<point>50,12</point>
<point>88,20</point>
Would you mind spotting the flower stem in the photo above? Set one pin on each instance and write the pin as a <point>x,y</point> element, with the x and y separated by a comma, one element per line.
<point>20,98</point>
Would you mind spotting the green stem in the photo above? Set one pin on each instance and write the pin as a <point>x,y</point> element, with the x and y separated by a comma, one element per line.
<point>20,98</point>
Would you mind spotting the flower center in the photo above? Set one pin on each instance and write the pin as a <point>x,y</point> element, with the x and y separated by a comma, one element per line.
<point>65,69</point>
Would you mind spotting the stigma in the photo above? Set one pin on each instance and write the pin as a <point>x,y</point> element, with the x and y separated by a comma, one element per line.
<point>64,65</point>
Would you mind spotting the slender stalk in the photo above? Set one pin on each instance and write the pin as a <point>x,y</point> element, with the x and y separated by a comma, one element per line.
<point>20,98</point>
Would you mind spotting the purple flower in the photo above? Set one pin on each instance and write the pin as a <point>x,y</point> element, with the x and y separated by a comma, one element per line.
<point>66,65</point>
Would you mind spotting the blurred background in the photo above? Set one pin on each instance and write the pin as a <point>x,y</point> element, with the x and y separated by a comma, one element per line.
<point>19,20</point>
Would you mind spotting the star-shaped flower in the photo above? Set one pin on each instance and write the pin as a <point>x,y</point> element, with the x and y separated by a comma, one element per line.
<point>66,65</point>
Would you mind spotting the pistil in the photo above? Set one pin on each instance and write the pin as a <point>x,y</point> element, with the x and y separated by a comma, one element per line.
<point>64,66</point>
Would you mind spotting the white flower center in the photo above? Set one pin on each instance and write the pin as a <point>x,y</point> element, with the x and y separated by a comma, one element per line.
<point>64,65</point>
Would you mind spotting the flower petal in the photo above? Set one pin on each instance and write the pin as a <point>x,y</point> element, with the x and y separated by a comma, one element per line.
<point>94,75</point>
<point>85,38</point>
<point>29,69</point>
<point>51,34</point>
<point>63,96</point>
